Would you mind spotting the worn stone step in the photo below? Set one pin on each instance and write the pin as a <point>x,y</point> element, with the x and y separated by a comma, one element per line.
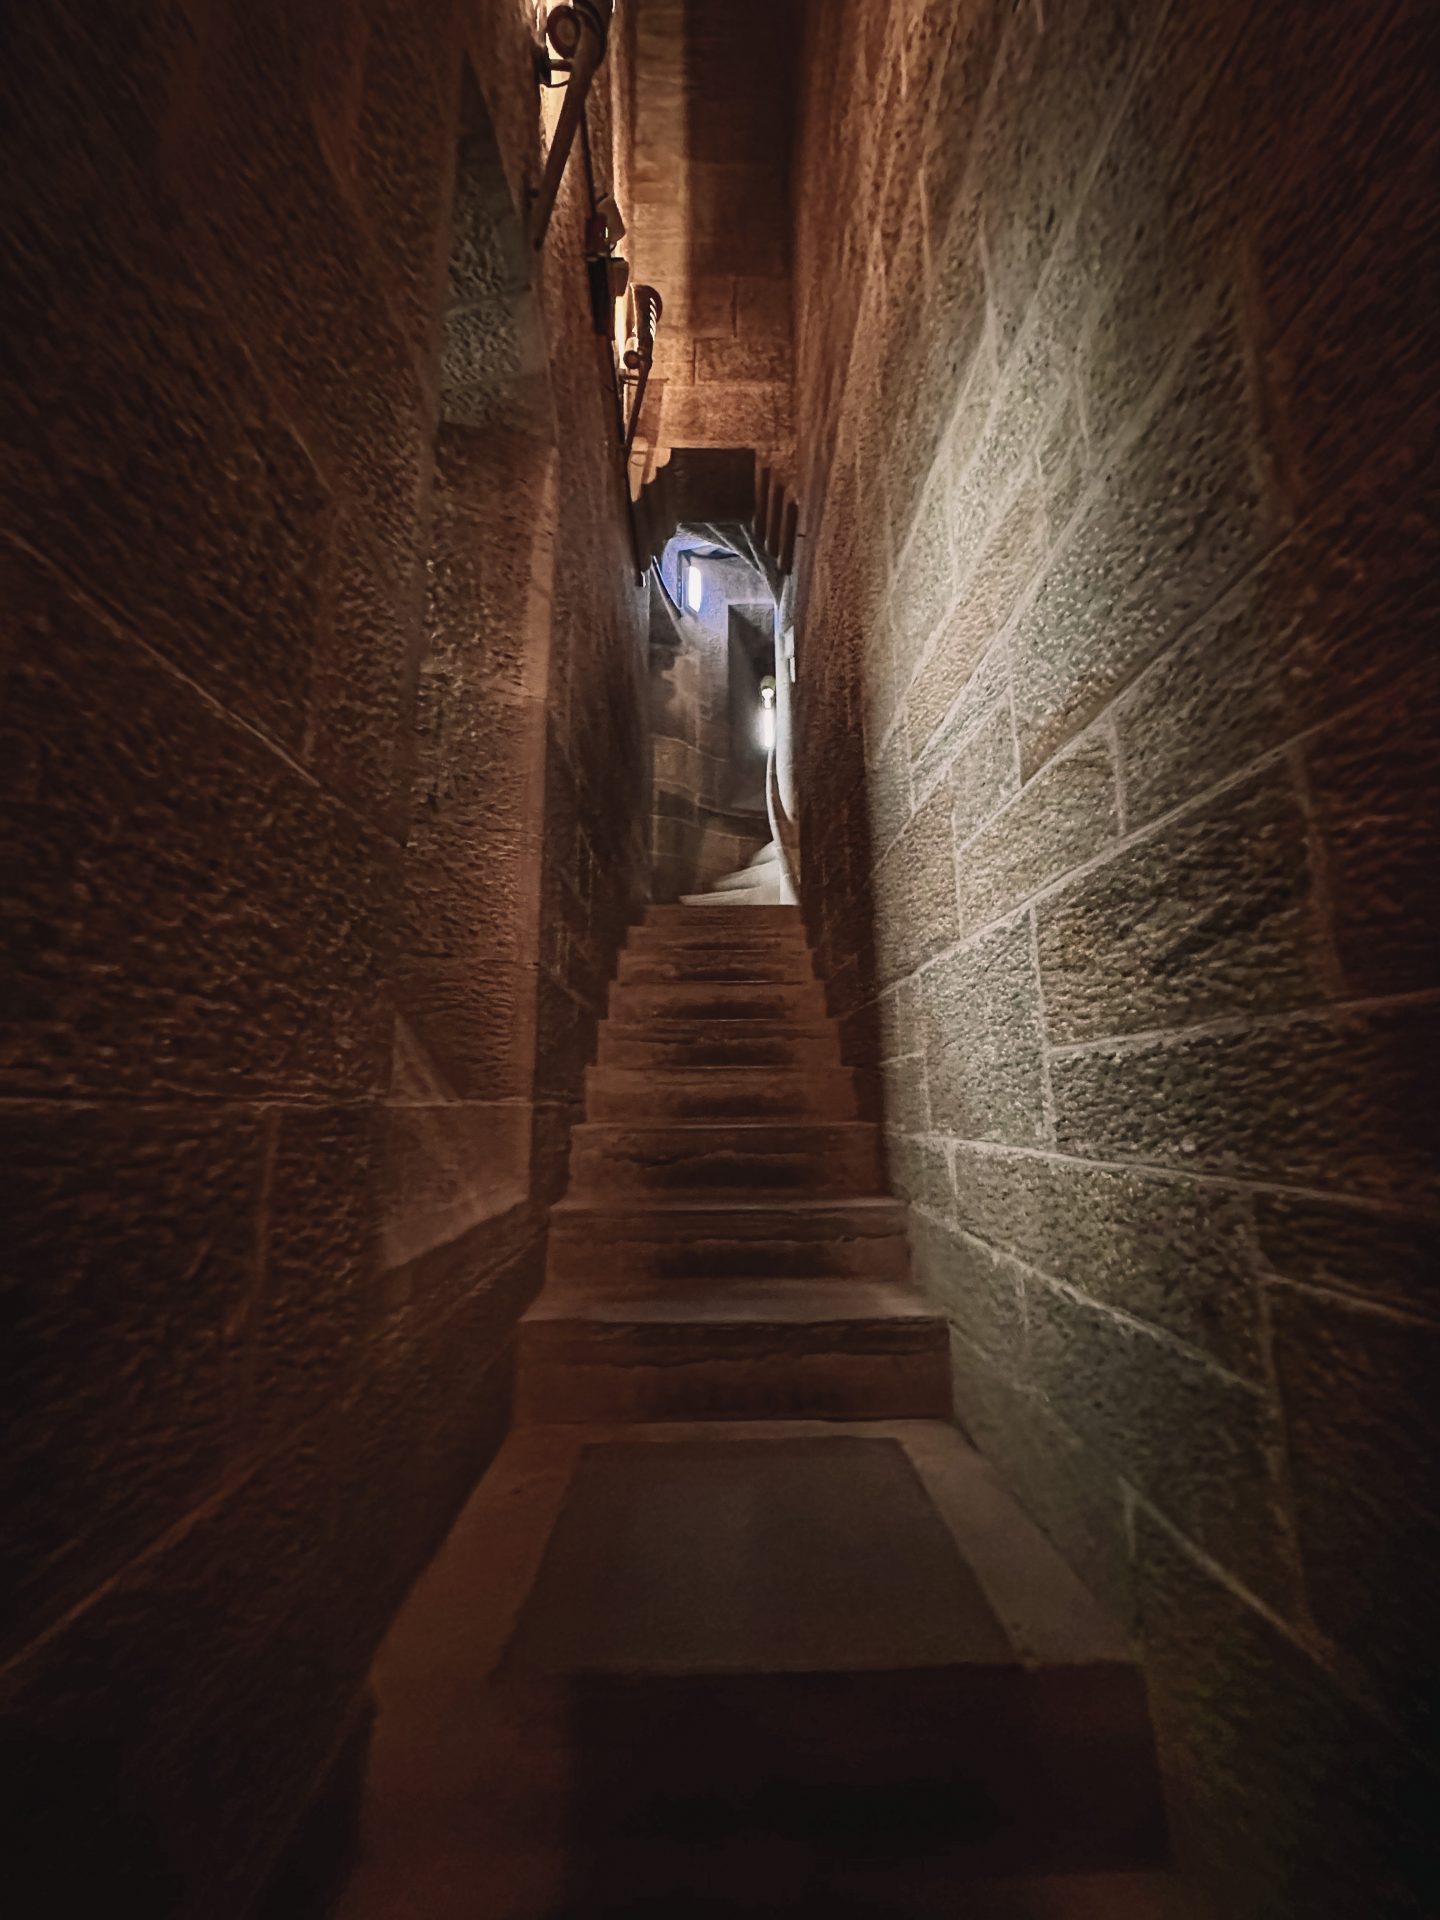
<point>698,1157</point>
<point>639,1003</point>
<point>758,893</point>
<point>646,1239</point>
<point>777,1350</point>
<point>717,1043</point>
<point>720,928</point>
<point>973,1790</point>
<point>747,918</point>
<point>744,878</point>
<point>759,1093</point>
<point>703,966</point>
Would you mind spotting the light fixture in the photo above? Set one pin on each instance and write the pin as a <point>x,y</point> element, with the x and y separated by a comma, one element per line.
<point>694,585</point>
<point>767,713</point>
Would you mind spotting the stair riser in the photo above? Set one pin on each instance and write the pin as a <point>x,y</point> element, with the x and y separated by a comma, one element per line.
<point>961,1773</point>
<point>640,1005</point>
<point>602,1170</point>
<point>717,1095</point>
<point>755,919</point>
<point>644,1051</point>
<point>604,1384</point>
<point>682,940</point>
<point>703,968</point>
<point>712,1256</point>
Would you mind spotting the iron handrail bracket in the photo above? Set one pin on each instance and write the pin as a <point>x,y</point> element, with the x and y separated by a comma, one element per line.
<point>579,31</point>
<point>640,357</point>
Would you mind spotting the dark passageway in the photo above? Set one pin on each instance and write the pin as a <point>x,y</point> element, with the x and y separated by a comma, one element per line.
<point>718,727</point>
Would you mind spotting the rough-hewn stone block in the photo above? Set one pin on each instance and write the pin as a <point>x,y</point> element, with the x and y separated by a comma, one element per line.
<point>1363,1444</point>
<point>915,891</point>
<point>918,1171</point>
<point>1285,1797</point>
<point>989,592</point>
<point>979,1291</point>
<point>318,1295</point>
<point>123,1356</point>
<point>1061,818</point>
<point>1333,1101</point>
<point>143,458</point>
<point>188,911</point>
<point>1370,1251</point>
<point>984,1041</point>
<point>742,362</point>
<point>1197,1441</point>
<point>1181,515</point>
<point>1065,1486</point>
<point>983,773</point>
<point>925,583</point>
<point>1374,779</point>
<point>1210,915</point>
<point>1171,1251</point>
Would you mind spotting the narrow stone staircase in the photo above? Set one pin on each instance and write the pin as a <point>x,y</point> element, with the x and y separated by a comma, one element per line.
<point>758,884</point>
<point>726,1248</point>
<point>738,1623</point>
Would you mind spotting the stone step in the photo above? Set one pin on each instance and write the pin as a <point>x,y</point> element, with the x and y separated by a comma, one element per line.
<point>705,965</point>
<point>718,1093</point>
<point>746,918</point>
<point>717,1043</point>
<point>742,879</point>
<point>968,1791</point>
<point>648,1240</point>
<point>754,893</point>
<point>766,1668</point>
<point>653,943</point>
<point>696,1157</point>
<point>772,1350</point>
<point>639,1002</point>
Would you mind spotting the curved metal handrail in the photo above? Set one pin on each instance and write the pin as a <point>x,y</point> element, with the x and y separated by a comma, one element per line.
<point>782,832</point>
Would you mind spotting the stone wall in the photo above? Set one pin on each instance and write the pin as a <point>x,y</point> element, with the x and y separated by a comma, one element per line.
<point>705,820</point>
<point>707,176</point>
<point>324,775</point>
<point>1117,740</point>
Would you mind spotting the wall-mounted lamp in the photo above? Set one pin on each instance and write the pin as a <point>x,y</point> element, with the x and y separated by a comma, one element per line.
<point>767,712</point>
<point>577,34</point>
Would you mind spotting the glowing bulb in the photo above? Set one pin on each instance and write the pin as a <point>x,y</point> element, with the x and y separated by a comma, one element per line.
<point>767,717</point>
<point>694,586</point>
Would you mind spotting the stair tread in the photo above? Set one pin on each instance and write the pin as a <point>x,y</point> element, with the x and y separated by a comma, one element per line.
<point>747,1303</point>
<point>739,1203</point>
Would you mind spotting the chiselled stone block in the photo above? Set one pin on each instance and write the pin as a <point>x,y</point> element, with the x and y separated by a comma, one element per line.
<point>1210,915</point>
<point>915,891</point>
<point>978,1289</point>
<point>1373,1252</point>
<point>124,1370</point>
<point>1063,817</point>
<point>984,1040</point>
<point>1316,1100</point>
<point>1363,1444</point>
<point>1170,1251</point>
<point>1196,1440</point>
<point>1286,1796</point>
<point>1180,516</point>
<point>191,912</point>
<point>1373,779</point>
